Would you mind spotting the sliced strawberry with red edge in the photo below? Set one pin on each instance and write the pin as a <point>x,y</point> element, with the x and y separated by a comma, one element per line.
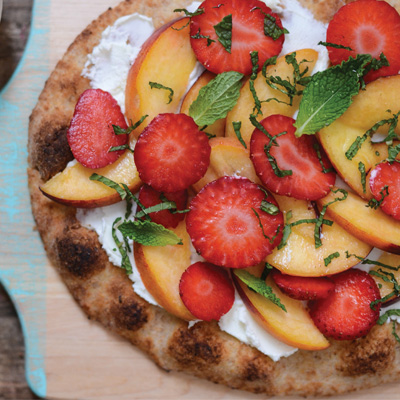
<point>302,175</point>
<point>91,134</point>
<point>367,27</point>
<point>303,288</point>
<point>207,291</point>
<point>247,32</point>
<point>384,183</point>
<point>347,313</point>
<point>224,223</point>
<point>172,153</point>
<point>150,197</point>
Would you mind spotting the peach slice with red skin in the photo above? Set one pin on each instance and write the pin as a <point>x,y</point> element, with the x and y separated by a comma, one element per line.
<point>300,256</point>
<point>369,107</point>
<point>218,127</point>
<point>245,105</point>
<point>294,327</point>
<point>73,187</point>
<point>166,58</point>
<point>161,268</point>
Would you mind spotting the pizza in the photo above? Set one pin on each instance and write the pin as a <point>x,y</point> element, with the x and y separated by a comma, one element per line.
<point>104,291</point>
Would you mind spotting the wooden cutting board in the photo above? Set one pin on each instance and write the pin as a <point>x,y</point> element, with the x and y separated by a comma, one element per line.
<point>68,356</point>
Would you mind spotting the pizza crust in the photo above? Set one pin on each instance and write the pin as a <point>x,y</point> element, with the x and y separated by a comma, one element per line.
<point>105,292</point>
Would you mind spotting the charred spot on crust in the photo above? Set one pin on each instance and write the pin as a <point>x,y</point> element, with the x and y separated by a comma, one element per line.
<point>373,354</point>
<point>52,151</point>
<point>129,315</point>
<point>195,347</point>
<point>257,370</point>
<point>79,254</point>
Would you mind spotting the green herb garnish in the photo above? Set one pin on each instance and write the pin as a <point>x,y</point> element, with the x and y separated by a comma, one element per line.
<point>155,85</point>
<point>224,32</point>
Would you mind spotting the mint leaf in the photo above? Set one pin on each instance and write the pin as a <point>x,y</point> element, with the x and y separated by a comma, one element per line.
<point>383,318</point>
<point>259,286</point>
<point>148,233</point>
<point>125,263</point>
<point>110,183</point>
<point>329,94</point>
<point>216,99</point>
<point>155,85</point>
<point>237,125</point>
<point>224,32</point>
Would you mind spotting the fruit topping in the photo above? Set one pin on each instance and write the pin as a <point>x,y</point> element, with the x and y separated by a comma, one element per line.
<point>150,197</point>
<point>303,288</point>
<point>384,183</point>
<point>349,312</point>
<point>91,135</point>
<point>224,34</point>
<point>230,224</point>
<point>206,291</point>
<point>367,27</point>
<point>287,165</point>
<point>172,153</point>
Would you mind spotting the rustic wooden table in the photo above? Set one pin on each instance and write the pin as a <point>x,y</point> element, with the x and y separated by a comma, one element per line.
<point>14,31</point>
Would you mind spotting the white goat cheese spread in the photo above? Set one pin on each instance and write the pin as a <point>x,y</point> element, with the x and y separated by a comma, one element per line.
<point>107,68</point>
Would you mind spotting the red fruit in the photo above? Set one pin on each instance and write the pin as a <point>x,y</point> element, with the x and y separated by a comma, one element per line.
<point>149,197</point>
<point>224,227</point>
<point>90,134</point>
<point>172,153</point>
<point>367,27</point>
<point>387,174</point>
<point>307,181</point>
<point>303,288</point>
<point>347,314</point>
<point>247,35</point>
<point>206,291</point>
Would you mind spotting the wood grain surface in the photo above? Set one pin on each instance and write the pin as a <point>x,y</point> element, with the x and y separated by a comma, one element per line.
<point>14,31</point>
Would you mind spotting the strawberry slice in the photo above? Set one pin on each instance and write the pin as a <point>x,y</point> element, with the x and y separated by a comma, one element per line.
<point>303,288</point>
<point>367,27</point>
<point>90,134</point>
<point>384,183</point>
<point>206,291</point>
<point>246,32</point>
<point>172,153</point>
<point>347,313</point>
<point>224,223</point>
<point>288,165</point>
<point>149,197</point>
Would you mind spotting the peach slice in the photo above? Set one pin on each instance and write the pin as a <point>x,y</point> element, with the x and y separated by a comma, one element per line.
<point>393,260</point>
<point>228,157</point>
<point>166,58</point>
<point>218,127</point>
<point>369,107</point>
<point>300,257</point>
<point>371,226</point>
<point>73,187</point>
<point>244,107</point>
<point>161,268</point>
<point>294,327</point>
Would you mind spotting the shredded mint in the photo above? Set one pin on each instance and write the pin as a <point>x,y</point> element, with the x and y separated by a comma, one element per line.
<point>361,168</point>
<point>155,85</point>
<point>149,233</point>
<point>119,131</point>
<point>216,98</point>
<point>224,32</point>
<point>269,208</point>
<point>331,257</point>
<point>271,240</point>
<point>110,183</point>
<point>384,317</point>
<point>374,203</point>
<point>335,46</point>
<point>237,125</point>
<point>165,205</point>
<point>267,269</point>
<point>199,11</point>
<point>393,153</point>
<point>271,28</point>
<point>122,147</point>
<point>253,77</point>
<point>329,94</point>
<point>259,286</point>
<point>198,35</point>
<point>321,162</point>
<point>125,263</point>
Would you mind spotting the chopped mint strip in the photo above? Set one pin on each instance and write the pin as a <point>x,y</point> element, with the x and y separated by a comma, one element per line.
<point>119,131</point>
<point>271,240</point>
<point>259,286</point>
<point>318,151</point>
<point>335,46</point>
<point>356,145</point>
<point>126,263</point>
<point>361,168</point>
<point>271,28</point>
<point>253,76</point>
<point>330,258</point>
<point>388,277</point>
<point>236,127</point>
<point>267,269</point>
<point>268,62</point>
<point>199,11</point>
<point>374,203</point>
<point>165,205</point>
<point>148,233</point>
<point>155,85</point>
<point>224,32</point>
<point>384,317</point>
<point>269,208</point>
<point>110,183</point>
<point>393,153</point>
<point>329,94</point>
<point>198,35</point>
<point>216,99</point>
<point>394,333</point>
<point>123,147</point>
